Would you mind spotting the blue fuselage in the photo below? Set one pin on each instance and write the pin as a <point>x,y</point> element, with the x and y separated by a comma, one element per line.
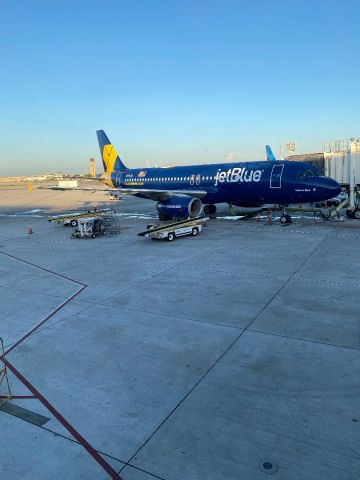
<point>245,184</point>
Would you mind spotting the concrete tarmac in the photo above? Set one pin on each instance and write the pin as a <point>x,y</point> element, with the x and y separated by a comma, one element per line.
<point>233,355</point>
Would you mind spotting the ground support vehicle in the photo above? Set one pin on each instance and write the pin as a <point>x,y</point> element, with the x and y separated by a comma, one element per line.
<point>89,228</point>
<point>96,226</point>
<point>114,196</point>
<point>72,219</point>
<point>170,231</point>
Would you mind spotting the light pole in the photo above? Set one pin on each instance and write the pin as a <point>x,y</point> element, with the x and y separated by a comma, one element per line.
<point>205,156</point>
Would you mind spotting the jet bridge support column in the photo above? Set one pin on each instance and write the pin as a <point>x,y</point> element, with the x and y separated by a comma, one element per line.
<point>351,181</point>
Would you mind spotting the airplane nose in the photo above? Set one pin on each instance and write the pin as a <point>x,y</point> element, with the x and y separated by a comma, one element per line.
<point>333,187</point>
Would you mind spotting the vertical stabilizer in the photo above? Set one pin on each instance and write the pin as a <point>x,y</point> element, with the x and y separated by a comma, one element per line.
<point>270,157</point>
<point>109,156</point>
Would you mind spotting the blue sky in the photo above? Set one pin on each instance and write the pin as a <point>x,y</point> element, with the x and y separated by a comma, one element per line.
<point>169,79</point>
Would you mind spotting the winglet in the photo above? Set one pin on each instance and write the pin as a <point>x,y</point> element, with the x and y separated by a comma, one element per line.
<point>270,157</point>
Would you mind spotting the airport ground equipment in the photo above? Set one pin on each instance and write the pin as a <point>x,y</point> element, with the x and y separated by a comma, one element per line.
<point>4,379</point>
<point>114,196</point>
<point>329,213</point>
<point>72,218</point>
<point>170,231</point>
<point>112,223</point>
<point>89,228</point>
<point>92,227</point>
<point>353,211</point>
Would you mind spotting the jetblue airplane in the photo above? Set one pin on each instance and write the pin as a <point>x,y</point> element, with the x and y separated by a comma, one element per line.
<point>186,191</point>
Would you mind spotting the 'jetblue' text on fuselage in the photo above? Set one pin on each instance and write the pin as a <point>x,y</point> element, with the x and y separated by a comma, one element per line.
<point>237,174</point>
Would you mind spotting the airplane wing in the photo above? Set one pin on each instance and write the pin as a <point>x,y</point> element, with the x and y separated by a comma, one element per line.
<point>151,193</point>
<point>89,189</point>
<point>158,195</point>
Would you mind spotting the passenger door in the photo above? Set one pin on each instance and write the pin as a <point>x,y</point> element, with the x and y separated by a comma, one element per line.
<point>275,177</point>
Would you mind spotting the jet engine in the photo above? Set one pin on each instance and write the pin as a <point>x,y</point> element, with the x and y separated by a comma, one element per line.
<point>179,207</point>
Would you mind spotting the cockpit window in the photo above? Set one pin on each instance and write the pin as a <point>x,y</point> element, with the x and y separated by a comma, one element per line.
<point>307,173</point>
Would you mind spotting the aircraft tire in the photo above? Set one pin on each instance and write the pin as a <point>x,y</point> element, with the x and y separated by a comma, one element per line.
<point>171,237</point>
<point>357,214</point>
<point>283,219</point>
<point>194,231</point>
<point>73,223</point>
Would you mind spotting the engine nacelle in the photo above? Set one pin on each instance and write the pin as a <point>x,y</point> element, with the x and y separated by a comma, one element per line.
<point>179,207</point>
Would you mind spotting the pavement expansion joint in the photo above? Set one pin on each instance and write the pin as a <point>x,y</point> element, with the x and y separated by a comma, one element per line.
<point>328,282</point>
<point>202,377</point>
<point>306,340</point>
<point>238,273</point>
<point>33,292</point>
<point>169,315</point>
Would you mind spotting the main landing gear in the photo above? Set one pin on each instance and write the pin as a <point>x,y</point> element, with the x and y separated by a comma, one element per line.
<point>209,209</point>
<point>285,217</point>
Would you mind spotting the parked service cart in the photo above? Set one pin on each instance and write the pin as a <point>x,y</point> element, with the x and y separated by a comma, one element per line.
<point>89,228</point>
<point>114,196</point>
<point>170,231</point>
<point>71,219</point>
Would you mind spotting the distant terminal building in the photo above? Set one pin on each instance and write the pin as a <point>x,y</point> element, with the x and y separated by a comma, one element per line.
<point>92,168</point>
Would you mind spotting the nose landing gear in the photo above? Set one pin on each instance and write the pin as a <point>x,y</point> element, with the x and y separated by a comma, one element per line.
<point>285,217</point>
